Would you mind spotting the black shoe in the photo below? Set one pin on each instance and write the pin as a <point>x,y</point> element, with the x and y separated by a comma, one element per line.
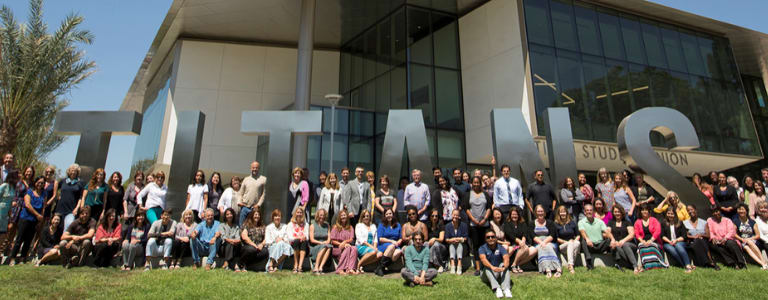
<point>67,266</point>
<point>379,270</point>
<point>618,267</point>
<point>477,273</point>
<point>714,266</point>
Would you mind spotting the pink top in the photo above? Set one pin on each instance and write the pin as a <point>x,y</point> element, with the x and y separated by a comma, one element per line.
<point>653,225</point>
<point>589,194</point>
<point>607,218</point>
<point>724,230</point>
<point>102,233</point>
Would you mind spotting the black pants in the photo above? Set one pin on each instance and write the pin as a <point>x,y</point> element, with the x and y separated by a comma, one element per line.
<point>180,249</point>
<point>229,252</point>
<point>300,246</point>
<point>103,254</point>
<point>476,239</point>
<point>600,247</point>
<point>701,255</point>
<point>250,254</point>
<point>196,215</point>
<point>731,253</point>
<point>24,235</point>
<point>96,211</point>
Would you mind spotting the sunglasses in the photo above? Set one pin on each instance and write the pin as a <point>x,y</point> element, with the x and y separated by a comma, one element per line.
<point>490,237</point>
<point>411,214</point>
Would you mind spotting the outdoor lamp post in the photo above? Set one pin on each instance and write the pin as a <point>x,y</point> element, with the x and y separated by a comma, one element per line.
<point>334,100</point>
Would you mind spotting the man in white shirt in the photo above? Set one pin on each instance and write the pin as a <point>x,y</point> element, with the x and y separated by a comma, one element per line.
<point>507,192</point>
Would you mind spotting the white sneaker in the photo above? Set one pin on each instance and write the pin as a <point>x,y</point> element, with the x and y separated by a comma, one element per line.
<point>453,270</point>
<point>508,293</point>
<point>440,269</point>
<point>499,294</point>
<point>458,270</point>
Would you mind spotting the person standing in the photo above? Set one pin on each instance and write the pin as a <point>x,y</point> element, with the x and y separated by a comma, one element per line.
<point>320,184</point>
<point>31,214</point>
<point>115,195</point>
<point>51,190</point>
<point>344,178</point>
<point>251,192</point>
<point>197,196</point>
<point>355,194</point>
<point>459,184</point>
<point>95,195</point>
<point>230,197</point>
<point>417,195</point>
<point>129,196</point>
<point>477,204</point>
<point>71,190</point>
<point>298,189</point>
<point>604,187</point>
<point>726,197</point>
<point>495,260</point>
<point>622,195</point>
<point>7,195</point>
<point>644,193</point>
<point>586,190</point>
<point>155,193</point>
<point>385,198</point>
<point>8,165</point>
<point>445,200</point>
<point>540,193</point>
<point>214,194</point>
<point>572,198</point>
<point>507,192</point>
<point>330,196</point>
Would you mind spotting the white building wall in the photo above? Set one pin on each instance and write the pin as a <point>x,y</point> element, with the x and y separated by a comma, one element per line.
<point>224,79</point>
<point>493,71</point>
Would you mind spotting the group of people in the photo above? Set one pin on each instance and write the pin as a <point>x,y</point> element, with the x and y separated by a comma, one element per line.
<point>363,221</point>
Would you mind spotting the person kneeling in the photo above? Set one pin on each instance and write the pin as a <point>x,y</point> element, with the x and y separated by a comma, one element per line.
<point>161,236</point>
<point>417,262</point>
<point>205,239</point>
<point>495,260</point>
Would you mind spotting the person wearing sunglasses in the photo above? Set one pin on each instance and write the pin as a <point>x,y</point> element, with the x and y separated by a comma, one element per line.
<point>495,260</point>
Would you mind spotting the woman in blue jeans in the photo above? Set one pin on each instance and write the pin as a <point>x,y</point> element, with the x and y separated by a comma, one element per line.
<point>673,234</point>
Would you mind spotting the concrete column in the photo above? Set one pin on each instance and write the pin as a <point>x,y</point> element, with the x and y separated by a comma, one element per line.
<point>304,74</point>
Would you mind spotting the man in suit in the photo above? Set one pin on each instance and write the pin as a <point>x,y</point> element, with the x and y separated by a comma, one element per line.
<point>354,194</point>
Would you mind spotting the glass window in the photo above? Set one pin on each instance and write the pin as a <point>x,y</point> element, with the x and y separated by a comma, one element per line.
<point>314,163</point>
<point>711,65</point>
<point>357,63</point>
<point>640,85</point>
<point>382,93</point>
<point>653,47</point>
<point>692,55</point>
<point>341,120</point>
<point>569,75</point>
<point>618,84</point>
<point>586,24</point>
<point>544,80</point>
<point>361,152</point>
<point>633,41</point>
<point>674,50</point>
<point>421,92</point>
<point>448,99</point>
<point>340,143</point>
<point>537,22</point>
<point>345,70</point>
<point>725,59</point>
<point>419,37</point>
<point>611,36</point>
<point>597,95</point>
<point>368,96</point>
<point>361,123</point>
<point>399,82</point>
<point>450,149</point>
<point>661,88</point>
<point>446,44</point>
<point>385,47</point>
<point>563,25</point>
<point>370,54</point>
<point>400,41</point>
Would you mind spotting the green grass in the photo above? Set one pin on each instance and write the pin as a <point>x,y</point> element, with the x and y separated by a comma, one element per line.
<point>53,282</point>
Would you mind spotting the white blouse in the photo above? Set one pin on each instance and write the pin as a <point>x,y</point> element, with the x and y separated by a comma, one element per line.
<point>155,195</point>
<point>361,233</point>
<point>196,194</point>
<point>762,226</point>
<point>272,232</point>
<point>228,199</point>
<point>325,199</point>
<point>293,231</point>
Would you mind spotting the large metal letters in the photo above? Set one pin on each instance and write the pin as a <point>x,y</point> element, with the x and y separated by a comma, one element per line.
<point>562,156</point>
<point>95,129</point>
<point>186,157</point>
<point>513,144</point>
<point>405,127</point>
<point>635,149</point>
<point>280,126</point>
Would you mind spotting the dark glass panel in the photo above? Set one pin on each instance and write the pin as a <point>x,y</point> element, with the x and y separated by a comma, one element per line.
<point>419,37</point>
<point>692,55</point>
<point>421,92</point>
<point>368,96</point>
<point>586,25</point>
<point>563,25</point>
<point>544,77</point>
<point>370,54</point>
<point>382,93</point>
<point>673,49</point>
<point>571,89</point>
<point>661,87</point>
<point>611,36</point>
<point>357,63</point>
<point>640,85</point>
<point>633,41</point>
<point>618,85</point>
<point>450,149</point>
<point>653,46</point>
<point>446,43</point>
<point>400,42</point>
<point>600,109</point>
<point>725,60</point>
<point>340,143</point>
<point>341,118</point>
<point>399,99</point>
<point>385,47</point>
<point>313,156</point>
<point>345,70</point>
<point>537,22</point>
<point>361,152</point>
<point>711,65</point>
<point>448,99</point>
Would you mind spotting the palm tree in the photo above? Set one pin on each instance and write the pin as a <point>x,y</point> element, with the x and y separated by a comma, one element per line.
<point>36,69</point>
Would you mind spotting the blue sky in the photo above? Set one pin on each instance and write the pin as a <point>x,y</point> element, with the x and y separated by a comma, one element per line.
<point>124,30</point>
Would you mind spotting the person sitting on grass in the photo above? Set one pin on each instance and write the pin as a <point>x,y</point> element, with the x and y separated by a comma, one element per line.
<point>621,233</point>
<point>135,238</point>
<point>722,238</point>
<point>592,231</point>
<point>747,235</point>
<point>205,239</point>
<point>417,270</point>
<point>107,239</point>
<point>495,260</point>
<point>161,235</point>
<point>48,249</point>
<point>366,241</point>
<point>673,234</point>
<point>76,241</point>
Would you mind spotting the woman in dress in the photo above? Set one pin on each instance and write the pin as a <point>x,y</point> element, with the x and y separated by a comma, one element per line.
<point>648,235</point>
<point>95,195</point>
<point>544,234</point>
<point>673,234</point>
<point>320,241</point>
<point>366,241</point>
<point>276,238</point>
<point>230,197</point>
<point>214,194</point>
<point>572,197</point>
<point>298,236</point>
<point>604,188</point>
<point>298,191</point>
<point>330,196</point>
<point>390,239</point>
<point>622,195</point>
<point>520,237</point>
<point>154,195</point>
<point>115,195</point>
<point>253,237</point>
<point>129,196</point>
<point>568,236</point>
<point>748,236</point>
<point>344,250</point>
<point>385,198</point>
<point>197,196</point>
<point>181,247</point>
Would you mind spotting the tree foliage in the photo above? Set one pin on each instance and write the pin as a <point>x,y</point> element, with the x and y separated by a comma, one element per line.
<point>37,69</point>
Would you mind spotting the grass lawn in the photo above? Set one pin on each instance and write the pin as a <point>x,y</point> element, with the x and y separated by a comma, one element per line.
<point>53,282</point>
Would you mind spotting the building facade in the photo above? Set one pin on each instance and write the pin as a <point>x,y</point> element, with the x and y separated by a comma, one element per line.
<point>455,61</point>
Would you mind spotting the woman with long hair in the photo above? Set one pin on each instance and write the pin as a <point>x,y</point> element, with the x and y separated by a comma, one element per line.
<point>456,235</point>
<point>586,190</point>
<point>276,238</point>
<point>568,236</point>
<point>106,242</point>
<point>520,237</point>
<point>749,185</point>
<point>22,187</point>
<point>436,241</point>
<point>497,225</point>
<point>51,189</point>
<point>604,188</point>
<point>648,235</point>
<point>330,200</point>
<point>298,236</point>
<point>621,233</point>
<point>230,239</point>
<point>726,197</point>
<point>672,200</point>
<point>390,240</point>
<point>115,195</point>
<point>298,191</point>
<point>230,197</point>
<point>197,196</point>
<point>129,196</point>
<point>697,239</point>
<point>135,237</point>
<point>572,197</point>
<point>755,198</point>
<point>155,193</point>
<point>748,236</point>
<point>622,195</point>
<point>370,178</point>
<point>215,189</point>
<point>50,237</point>
<point>254,241</point>
<point>96,193</point>
<point>477,205</point>
<point>342,238</point>
<point>696,180</point>
<point>602,212</point>
<point>544,233</point>
<point>385,198</point>
<point>412,225</point>
<point>366,241</point>
<point>319,240</point>
<point>761,225</point>
<point>31,214</point>
<point>445,199</point>
<point>181,246</point>
<point>673,235</point>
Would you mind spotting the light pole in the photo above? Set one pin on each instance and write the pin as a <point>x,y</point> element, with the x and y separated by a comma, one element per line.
<point>334,100</point>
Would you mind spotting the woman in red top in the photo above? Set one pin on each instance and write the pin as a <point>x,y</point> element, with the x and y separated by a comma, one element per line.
<point>107,239</point>
<point>648,235</point>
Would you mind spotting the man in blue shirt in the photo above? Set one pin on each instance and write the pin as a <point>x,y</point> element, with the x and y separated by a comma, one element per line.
<point>507,192</point>
<point>205,238</point>
<point>417,194</point>
<point>495,260</point>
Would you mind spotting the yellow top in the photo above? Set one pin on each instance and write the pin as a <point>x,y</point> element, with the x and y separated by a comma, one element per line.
<point>682,212</point>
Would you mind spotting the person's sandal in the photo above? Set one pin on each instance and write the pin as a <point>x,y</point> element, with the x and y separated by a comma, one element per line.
<point>570,269</point>
<point>558,273</point>
<point>549,274</point>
